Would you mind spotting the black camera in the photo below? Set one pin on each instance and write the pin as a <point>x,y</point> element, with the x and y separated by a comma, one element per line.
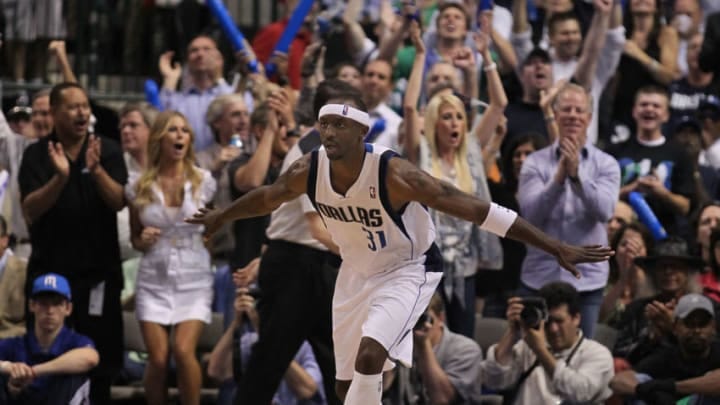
<point>534,311</point>
<point>424,318</point>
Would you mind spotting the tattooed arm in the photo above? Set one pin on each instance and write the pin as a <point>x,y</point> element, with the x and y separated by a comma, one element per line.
<point>258,202</point>
<point>407,183</point>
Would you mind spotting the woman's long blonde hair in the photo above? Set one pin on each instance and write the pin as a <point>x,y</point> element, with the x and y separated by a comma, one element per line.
<point>143,189</point>
<point>432,113</point>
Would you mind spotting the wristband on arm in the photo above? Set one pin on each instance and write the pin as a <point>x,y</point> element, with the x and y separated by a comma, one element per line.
<point>498,220</point>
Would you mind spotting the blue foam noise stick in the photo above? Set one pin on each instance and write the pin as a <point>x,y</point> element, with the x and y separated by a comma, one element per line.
<point>152,94</point>
<point>532,10</point>
<point>294,24</point>
<point>377,129</point>
<point>218,10</point>
<point>646,215</point>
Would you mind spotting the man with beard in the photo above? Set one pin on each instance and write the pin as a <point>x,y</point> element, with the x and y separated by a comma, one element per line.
<point>687,368</point>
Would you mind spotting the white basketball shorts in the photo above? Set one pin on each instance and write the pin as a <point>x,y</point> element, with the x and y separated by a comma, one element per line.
<point>383,306</point>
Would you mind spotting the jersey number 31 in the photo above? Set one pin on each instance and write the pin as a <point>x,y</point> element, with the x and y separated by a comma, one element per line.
<point>380,235</point>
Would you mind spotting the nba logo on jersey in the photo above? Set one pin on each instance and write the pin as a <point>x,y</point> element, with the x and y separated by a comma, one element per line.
<point>372,192</point>
<point>345,109</point>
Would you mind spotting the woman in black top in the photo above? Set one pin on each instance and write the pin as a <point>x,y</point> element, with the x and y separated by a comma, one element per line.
<point>498,286</point>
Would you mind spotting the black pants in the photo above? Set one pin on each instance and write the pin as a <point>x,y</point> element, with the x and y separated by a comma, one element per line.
<point>297,284</point>
<point>58,390</point>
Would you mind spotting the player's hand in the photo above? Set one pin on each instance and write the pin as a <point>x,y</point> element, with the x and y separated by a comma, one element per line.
<point>568,256</point>
<point>211,219</point>
<point>59,159</point>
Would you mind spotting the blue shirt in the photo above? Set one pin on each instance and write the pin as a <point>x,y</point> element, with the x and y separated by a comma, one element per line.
<point>575,213</point>
<point>26,349</point>
<point>193,103</point>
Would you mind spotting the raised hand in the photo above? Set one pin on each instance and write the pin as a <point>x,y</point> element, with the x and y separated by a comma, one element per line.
<point>464,58</point>
<point>59,159</point>
<point>92,154</point>
<point>603,6</point>
<point>416,38</point>
<point>482,36</point>
<point>57,48</point>
<point>280,106</point>
<point>168,69</point>
<point>568,256</point>
<point>313,59</point>
<point>548,96</point>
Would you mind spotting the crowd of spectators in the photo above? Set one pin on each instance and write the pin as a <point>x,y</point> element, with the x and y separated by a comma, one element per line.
<point>598,120</point>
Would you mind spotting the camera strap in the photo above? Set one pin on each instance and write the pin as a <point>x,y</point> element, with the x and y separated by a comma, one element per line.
<point>510,395</point>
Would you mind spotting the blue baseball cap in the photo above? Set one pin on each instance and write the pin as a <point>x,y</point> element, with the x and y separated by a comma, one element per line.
<point>51,283</point>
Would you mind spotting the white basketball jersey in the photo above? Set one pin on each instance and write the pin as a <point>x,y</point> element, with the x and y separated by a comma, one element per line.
<point>371,237</point>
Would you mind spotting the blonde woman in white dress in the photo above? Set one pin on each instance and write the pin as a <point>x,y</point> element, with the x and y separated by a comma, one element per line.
<point>174,282</point>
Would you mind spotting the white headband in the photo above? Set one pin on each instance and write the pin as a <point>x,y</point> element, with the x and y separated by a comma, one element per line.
<point>346,111</point>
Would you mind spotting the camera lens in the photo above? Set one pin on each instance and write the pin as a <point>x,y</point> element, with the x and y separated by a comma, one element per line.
<point>531,317</point>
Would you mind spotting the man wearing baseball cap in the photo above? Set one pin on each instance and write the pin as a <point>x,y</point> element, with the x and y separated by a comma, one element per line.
<point>686,368</point>
<point>647,323</point>
<point>49,364</point>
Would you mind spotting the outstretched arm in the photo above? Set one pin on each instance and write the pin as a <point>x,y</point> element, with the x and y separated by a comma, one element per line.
<point>407,183</point>
<point>258,202</point>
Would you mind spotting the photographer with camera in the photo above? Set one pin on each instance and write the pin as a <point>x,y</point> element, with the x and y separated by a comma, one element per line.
<point>447,367</point>
<point>544,357</point>
<point>302,382</point>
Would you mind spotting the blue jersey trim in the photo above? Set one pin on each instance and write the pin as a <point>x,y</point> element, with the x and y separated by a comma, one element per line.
<point>310,142</point>
<point>384,198</point>
<point>433,259</point>
<point>368,148</point>
<point>312,178</point>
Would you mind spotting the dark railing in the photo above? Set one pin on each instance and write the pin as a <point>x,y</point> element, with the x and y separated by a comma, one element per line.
<point>99,42</point>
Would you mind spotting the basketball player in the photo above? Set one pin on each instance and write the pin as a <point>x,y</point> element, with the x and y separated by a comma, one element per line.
<point>371,201</point>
